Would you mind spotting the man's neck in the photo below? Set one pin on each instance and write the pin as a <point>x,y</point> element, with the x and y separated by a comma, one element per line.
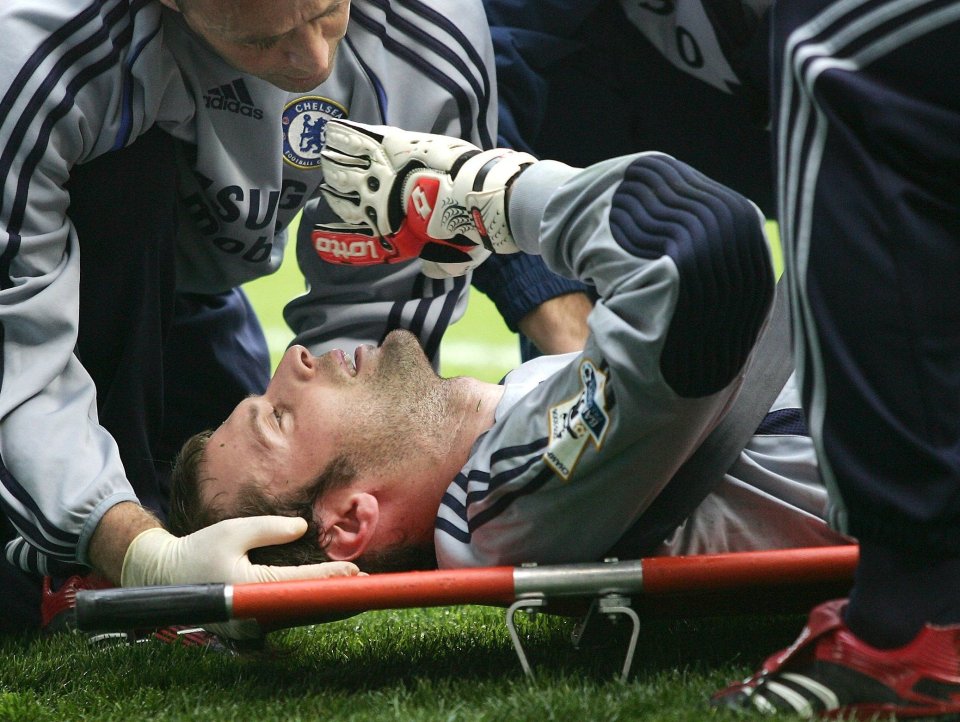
<point>469,411</point>
<point>444,445</point>
<point>473,411</point>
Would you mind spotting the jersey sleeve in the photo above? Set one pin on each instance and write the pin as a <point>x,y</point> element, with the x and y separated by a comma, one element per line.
<point>73,88</point>
<point>683,271</point>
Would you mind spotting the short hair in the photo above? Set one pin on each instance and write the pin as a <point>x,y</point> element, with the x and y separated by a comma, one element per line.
<point>188,513</point>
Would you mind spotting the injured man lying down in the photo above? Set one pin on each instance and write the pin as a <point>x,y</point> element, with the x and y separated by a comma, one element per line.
<point>396,468</point>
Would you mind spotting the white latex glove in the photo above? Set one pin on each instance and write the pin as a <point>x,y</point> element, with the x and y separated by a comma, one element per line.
<point>218,553</point>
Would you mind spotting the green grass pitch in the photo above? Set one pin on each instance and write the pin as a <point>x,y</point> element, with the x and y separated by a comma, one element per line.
<point>443,664</point>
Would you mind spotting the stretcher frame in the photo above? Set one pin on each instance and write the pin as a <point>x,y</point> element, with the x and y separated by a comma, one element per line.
<point>788,580</point>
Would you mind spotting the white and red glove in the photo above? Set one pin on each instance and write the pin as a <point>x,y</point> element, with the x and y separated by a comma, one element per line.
<point>404,195</point>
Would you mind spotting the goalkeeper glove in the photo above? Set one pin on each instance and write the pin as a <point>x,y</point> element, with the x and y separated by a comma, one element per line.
<point>404,195</point>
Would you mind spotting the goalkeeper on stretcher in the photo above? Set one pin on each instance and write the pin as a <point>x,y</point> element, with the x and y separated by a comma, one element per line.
<point>395,468</point>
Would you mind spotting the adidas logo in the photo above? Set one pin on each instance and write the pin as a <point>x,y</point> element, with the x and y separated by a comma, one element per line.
<point>233,98</point>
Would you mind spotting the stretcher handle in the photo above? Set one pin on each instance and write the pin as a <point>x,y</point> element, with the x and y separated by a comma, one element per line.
<point>151,607</point>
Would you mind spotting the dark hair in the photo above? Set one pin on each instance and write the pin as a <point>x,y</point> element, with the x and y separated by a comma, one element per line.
<point>188,513</point>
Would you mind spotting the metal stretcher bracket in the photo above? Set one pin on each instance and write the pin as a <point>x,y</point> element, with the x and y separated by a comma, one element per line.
<point>610,605</point>
<point>608,585</point>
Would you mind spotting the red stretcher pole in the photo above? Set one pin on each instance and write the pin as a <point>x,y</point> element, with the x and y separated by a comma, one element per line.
<point>279,604</point>
<point>286,603</point>
<point>721,572</point>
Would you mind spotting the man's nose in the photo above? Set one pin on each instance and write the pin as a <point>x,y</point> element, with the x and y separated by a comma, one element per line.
<point>308,50</point>
<point>297,361</point>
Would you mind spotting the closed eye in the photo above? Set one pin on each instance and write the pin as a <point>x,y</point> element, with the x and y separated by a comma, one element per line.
<point>264,43</point>
<point>332,10</point>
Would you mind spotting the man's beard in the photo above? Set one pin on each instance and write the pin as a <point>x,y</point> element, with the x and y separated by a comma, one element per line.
<point>404,407</point>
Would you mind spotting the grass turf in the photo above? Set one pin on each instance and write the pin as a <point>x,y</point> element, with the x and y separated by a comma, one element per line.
<point>433,664</point>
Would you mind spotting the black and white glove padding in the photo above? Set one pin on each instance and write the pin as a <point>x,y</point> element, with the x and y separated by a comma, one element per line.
<point>404,195</point>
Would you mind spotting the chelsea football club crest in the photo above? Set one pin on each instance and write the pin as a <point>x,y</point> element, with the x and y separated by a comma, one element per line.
<point>304,125</point>
<point>578,421</point>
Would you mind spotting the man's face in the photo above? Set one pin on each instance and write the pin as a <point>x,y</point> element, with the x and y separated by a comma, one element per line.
<point>315,410</point>
<point>289,43</point>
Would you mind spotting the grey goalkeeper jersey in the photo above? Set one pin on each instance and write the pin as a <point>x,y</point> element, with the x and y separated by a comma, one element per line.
<point>80,78</point>
<point>583,443</point>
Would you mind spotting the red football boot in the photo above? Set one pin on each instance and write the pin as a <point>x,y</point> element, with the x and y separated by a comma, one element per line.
<point>56,607</point>
<point>829,673</point>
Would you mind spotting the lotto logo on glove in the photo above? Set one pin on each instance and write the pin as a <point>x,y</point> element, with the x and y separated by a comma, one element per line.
<point>360,246</point>
<point>429,196</point>
<point>346,245</point>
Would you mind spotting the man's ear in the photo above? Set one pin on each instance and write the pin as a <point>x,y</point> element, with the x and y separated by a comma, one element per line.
<point>350,526</point>
<point>172,4</point>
